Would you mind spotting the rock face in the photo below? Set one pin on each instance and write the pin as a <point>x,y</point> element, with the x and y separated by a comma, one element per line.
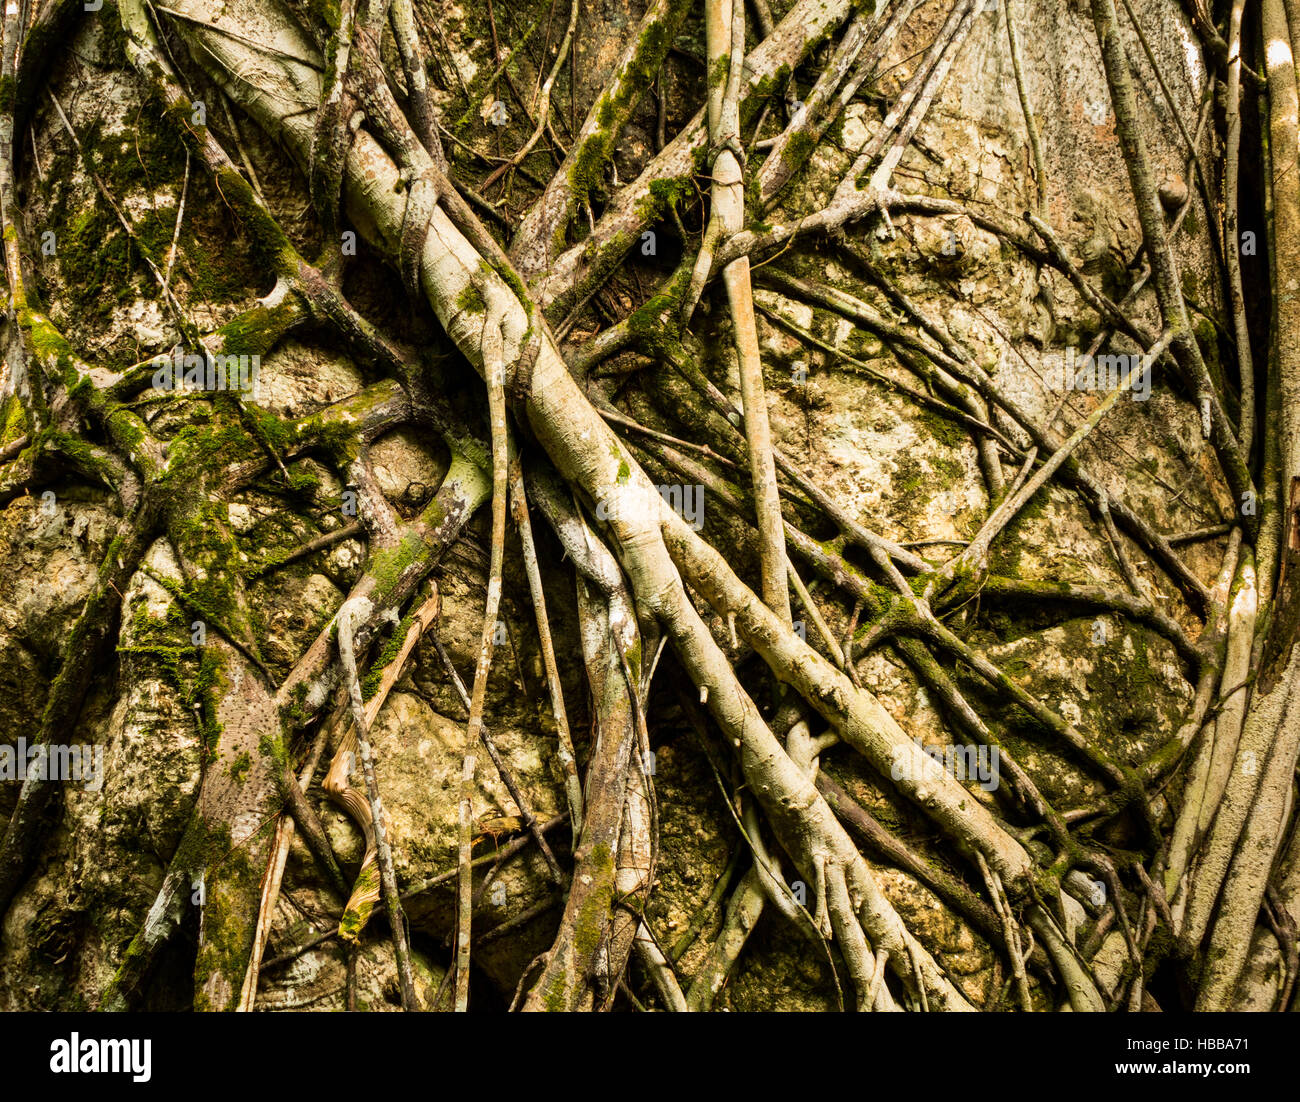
<point>838,407</point>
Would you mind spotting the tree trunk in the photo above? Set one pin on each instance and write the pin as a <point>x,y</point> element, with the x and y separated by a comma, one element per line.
<point>897,603</point>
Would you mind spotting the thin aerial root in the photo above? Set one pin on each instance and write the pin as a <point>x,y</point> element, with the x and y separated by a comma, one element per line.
<point>1011,937</point>
<point>354,610</point>
<point>568,759</point>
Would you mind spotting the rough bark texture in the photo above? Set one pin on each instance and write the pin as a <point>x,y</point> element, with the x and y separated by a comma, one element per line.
<point>919,544</point>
